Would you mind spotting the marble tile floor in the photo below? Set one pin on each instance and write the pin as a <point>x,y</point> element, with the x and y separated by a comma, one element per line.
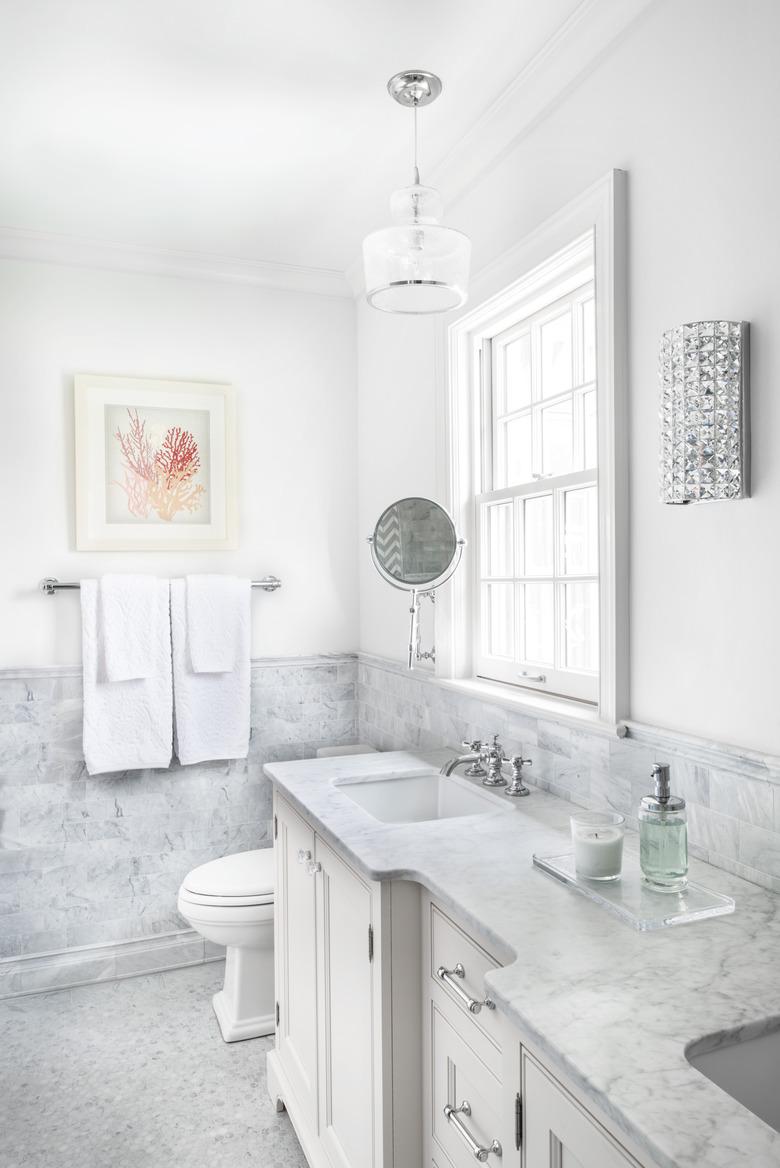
<point>134,1074</point>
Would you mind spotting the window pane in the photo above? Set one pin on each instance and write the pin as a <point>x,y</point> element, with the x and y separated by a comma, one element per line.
<point>556,355</point>
<point>581,626</point>
<point>538,624</point>
<point>557,438</point>
<point>517,374</point>
<point>581,532</point>
<point>518,464</point>
<point>591,433</point>
<point>589,341</point>
<point>538,541</point>
<point>498,539</point>
<point>499,619</point>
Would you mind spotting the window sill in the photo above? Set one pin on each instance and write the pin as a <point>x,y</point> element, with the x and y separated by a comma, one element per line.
<point>570,713</point>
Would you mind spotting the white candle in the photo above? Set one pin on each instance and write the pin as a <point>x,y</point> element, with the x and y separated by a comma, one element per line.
<point>598,844</point>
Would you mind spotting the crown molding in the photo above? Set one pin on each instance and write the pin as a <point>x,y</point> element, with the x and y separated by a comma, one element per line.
<point>564,61</point>
<point>49,247</point>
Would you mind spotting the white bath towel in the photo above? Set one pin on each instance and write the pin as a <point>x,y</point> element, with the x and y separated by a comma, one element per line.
<point>212,709</point>
<point>128,611</point>
<point>128,725</point>
<point>217,622</point>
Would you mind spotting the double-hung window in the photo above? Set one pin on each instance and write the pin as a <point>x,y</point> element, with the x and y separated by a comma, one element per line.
<point>537,467</point>
<point>537,515</point>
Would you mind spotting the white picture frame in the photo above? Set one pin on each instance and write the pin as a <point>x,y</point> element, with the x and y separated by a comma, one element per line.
<point>155,464</point>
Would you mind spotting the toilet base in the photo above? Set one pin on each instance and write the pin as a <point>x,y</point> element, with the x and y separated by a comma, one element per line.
<point>237,1029</point>
<point>245,1006</point>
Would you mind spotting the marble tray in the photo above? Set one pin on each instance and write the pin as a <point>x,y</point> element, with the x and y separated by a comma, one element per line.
<point>631,900</point>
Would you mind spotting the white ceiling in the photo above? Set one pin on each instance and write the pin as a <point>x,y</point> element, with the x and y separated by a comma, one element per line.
<point>244,128</point>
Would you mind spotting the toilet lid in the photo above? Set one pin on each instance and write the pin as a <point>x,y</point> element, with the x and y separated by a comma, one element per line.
<point>241,875</point>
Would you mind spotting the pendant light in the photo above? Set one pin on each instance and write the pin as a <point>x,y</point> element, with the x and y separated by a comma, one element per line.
<point>417,265</point>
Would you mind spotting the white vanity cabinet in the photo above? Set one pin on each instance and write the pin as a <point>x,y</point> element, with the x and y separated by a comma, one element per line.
<point>349,1013</point>
<point>488,1098</point>
<point>389,1052</point>
<point>332,1066</point>
<point>295,960</point>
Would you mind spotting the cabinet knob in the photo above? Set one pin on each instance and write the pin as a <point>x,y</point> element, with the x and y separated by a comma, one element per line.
<point>313,867</point>
<point>303,856</point>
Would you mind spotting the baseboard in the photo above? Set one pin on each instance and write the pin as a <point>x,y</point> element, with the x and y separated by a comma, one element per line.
<point>43,972</point>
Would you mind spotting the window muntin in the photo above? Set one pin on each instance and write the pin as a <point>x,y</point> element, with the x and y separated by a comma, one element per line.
<point>538,514</point>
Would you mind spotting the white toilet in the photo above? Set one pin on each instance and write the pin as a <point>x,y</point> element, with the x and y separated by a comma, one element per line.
<point>231,901</point>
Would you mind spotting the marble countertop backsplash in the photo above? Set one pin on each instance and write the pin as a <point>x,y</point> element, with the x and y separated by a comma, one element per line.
<point>612,1009</point>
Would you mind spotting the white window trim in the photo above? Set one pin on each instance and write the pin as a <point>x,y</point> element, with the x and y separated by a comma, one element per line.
<point>601,210</point>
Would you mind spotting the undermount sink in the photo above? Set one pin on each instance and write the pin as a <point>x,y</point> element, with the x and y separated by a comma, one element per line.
<point>420,798</point>
<point>746,1065</point>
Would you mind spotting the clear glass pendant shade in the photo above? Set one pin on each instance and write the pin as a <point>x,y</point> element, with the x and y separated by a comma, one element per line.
<point>416,266</point>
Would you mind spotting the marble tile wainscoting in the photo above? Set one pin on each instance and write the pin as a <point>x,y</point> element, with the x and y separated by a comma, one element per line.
<point>90,867</point>
<point>733,795</point>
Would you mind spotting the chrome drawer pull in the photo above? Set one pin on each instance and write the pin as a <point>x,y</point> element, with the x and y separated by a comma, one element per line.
<point>472,1004</point>
<point>476,1149</point>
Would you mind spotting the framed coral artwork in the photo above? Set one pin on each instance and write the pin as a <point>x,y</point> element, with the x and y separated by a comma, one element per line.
<point>155,465</point>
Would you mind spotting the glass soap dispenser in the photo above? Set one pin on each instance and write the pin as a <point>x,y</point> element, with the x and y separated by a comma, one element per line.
<point>663,836</point>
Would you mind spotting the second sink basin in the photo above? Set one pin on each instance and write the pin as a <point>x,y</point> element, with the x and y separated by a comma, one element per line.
<point>421,797</point>
<point>746,1065</point>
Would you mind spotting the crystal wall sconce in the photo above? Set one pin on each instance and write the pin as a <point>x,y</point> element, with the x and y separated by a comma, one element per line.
<point>705,453</point>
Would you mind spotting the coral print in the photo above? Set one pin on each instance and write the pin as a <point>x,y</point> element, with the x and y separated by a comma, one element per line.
<point>159,479</point>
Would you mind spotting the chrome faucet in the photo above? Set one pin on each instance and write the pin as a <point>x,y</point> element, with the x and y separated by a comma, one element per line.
<point>494,758</point>
<point>479,757</point>
<point>476,756</point>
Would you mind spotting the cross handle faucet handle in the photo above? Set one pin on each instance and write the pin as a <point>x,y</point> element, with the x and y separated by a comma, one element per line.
<point>474,744</point>
<point>517,786</point>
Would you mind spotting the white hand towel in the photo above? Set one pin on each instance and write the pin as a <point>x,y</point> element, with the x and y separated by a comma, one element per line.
<point>128,609</point>
<point>212,709</point>
<point>217,622</point>
<point>128,725</point>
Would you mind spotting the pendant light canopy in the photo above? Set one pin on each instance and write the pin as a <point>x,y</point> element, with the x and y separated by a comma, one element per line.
<point>417,265</point>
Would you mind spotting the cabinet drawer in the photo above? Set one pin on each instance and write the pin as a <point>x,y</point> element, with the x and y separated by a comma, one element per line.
<point>461,1080</point>
<point>454,951</point>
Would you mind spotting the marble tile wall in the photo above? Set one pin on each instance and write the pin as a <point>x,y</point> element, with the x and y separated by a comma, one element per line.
<point>733,796</point>
<point>92,861</point>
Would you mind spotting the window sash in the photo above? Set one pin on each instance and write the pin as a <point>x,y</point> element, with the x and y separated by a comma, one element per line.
<point>519,669</point>
<point>495,390</point>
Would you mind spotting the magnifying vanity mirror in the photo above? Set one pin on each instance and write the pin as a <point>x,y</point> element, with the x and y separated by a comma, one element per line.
<point>415,548</point>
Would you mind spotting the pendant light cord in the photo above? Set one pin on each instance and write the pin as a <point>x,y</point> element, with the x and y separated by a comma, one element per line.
<point>416,169</point>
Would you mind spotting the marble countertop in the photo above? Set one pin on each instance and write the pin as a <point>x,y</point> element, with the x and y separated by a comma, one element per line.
<point>612,1008</point>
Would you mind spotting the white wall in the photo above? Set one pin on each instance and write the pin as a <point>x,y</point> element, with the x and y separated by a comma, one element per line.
<point>291,358</point>
<point>687,103</point>
<point>396,456</point>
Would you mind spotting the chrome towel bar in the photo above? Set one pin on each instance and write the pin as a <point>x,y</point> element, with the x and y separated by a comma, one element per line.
<point>49,585</point>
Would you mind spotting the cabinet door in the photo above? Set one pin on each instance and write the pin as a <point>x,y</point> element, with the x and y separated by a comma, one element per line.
<point>558,1132</point>
<point>296,964</point>
<point>349,1076</point>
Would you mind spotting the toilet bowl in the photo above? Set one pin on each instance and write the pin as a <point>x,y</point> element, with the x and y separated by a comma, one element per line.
<point>230,901</point>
